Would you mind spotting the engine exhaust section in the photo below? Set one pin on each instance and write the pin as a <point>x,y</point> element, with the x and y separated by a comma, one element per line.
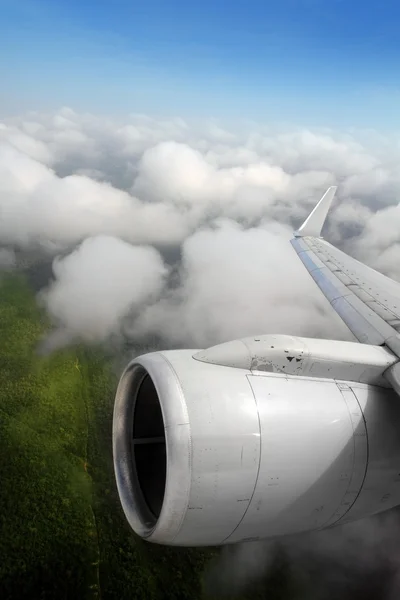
<point>256,438</point>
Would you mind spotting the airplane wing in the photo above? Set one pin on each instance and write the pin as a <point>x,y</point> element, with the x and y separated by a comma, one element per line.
<point>367,301</point>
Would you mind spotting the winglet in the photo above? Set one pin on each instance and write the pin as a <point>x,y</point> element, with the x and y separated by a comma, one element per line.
<point>315,221</point>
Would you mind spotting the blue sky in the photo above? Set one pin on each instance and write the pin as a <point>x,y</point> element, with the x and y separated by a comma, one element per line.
<point>309,62</point>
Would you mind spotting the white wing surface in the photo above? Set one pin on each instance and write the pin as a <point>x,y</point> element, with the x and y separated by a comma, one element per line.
<point>367,301</point>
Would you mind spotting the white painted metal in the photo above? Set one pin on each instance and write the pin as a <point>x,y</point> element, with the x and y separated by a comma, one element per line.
<point>274,435</point>
<point>392,375</point>
<point>307,456</point>
<point>315,221</point>
<point>309,357</point>
<point>381,488</point>
<point>254,454</point>
<point>213,447</point>
<point>367,301</point>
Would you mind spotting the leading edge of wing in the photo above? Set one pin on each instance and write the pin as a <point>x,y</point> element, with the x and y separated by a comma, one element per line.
<point>365,324</point>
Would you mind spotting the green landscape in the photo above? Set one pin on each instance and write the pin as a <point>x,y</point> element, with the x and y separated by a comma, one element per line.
<point>63,533</point>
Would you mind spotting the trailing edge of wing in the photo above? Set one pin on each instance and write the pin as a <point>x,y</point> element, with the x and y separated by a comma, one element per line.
<point>312,226</point>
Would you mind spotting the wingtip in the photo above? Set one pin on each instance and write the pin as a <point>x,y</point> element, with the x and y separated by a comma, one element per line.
<point>314,223</point>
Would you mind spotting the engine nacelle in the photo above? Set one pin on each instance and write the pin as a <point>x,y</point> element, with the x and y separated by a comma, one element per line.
<point>208,454</point>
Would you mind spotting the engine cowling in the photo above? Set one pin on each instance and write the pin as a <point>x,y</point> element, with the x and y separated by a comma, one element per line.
<point>209,454</point>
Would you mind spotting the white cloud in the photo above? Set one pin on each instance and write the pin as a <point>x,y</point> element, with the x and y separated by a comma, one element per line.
<point>237,282</point>
<point>100,283</point>
<point>220,205</point>
<point>66,177</point>
<point>7,259</point>
<point>26,144</point>
<point>39,207</point>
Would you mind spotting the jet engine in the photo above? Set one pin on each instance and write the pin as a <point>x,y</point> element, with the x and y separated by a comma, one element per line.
<point>255,438</point>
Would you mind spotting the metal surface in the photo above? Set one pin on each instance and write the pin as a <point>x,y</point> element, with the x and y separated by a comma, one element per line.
<point>255,454</point>
<point>309,357</point>
<point>213,446</point>
<point>315,221</point>
<point>308,456</point>
<point>367,301</point>
<point>268,435</point>
<point>381,487</point>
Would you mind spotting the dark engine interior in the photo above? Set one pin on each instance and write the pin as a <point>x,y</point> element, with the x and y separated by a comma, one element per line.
<point>149,448</point>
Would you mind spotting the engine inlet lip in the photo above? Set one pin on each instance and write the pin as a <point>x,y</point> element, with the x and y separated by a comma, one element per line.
<point>177,442</point>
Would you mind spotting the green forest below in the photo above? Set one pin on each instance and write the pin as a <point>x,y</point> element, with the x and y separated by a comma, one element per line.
<point>63,533</point>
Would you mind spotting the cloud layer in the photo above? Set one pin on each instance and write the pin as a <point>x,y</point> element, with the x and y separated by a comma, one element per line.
<point>216,205</point>
<point>100,283</point>
<point>177,234</point>
<point>359,560</point>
